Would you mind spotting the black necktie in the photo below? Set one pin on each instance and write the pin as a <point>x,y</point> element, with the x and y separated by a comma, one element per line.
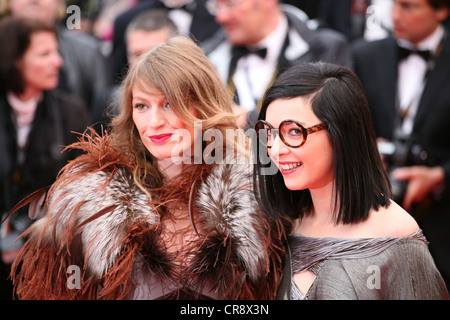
<point>404,53</point>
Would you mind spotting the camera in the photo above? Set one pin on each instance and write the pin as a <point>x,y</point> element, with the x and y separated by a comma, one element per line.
<point>402,153</point>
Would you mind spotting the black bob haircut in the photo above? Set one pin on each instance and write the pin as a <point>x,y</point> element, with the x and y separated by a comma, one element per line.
<point>337,99</point>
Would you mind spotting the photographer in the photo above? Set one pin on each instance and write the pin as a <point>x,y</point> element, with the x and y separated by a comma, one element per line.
<point>416,181</point>
<point>406,77</point>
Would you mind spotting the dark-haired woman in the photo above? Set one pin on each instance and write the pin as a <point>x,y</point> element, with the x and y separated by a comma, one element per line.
<point>349,240</point>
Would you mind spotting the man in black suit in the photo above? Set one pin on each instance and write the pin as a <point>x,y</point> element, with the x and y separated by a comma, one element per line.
<point>261,38</point>
<point>190,16</point>
<point>407,80</point>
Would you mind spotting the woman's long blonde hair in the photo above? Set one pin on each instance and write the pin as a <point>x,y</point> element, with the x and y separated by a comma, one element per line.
<point>193,88</point>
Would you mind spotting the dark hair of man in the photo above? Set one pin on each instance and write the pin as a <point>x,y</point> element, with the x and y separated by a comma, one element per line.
<point>15,36</point>
<point>440,4</point>
<point>337,99</point>
<point>437,4</point>
<point>153,20</point>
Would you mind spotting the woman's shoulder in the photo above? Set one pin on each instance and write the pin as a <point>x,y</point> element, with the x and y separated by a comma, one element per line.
<point>229,184</point>
<point>391,221</point>
<point>101,176</point>
<point>98,153</point>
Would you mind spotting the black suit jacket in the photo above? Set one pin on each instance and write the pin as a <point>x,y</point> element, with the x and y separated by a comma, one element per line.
<point>57,115</point>
<point>58,118</point>
<point>376,65</point>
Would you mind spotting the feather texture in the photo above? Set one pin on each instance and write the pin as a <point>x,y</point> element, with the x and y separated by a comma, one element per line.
<point>227,204</point>
<point>103,234</point>
<point>97,218</point>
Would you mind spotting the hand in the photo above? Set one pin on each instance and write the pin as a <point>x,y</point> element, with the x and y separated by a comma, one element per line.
<point>421,181</point>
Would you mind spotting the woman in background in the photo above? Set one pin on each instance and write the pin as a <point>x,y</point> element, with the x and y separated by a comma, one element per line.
<point>36,121</point>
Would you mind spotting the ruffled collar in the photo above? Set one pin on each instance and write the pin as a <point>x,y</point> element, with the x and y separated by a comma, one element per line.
<point>307,252</point>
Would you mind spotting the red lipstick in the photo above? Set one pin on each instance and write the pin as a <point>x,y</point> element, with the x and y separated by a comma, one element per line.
<point>160,138</point>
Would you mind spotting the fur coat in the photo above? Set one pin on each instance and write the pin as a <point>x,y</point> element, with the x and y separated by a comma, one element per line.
<point>97,225</point>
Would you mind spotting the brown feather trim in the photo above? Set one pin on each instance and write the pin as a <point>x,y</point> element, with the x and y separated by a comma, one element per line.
<point>99,154</point>
<point>40,271</point>
<point>34,200</point>
<point>215,261</point>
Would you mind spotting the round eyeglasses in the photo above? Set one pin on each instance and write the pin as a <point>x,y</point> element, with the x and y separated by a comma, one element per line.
<point>292,133</point>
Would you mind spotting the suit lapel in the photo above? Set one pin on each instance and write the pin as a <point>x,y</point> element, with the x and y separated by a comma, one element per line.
<point>386,73</point>
<point>437,80</point>
<point>203,24</point>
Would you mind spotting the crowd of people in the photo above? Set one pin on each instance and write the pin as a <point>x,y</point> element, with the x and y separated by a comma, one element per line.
<point>116,155</point>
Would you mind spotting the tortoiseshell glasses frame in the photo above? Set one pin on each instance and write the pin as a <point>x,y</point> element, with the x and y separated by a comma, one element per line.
<point>291,132</point>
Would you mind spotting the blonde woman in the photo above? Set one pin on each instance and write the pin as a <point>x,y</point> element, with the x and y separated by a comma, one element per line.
<point>145,213</point>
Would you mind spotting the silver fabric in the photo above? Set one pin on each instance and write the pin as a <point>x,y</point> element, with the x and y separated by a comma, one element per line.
<point>344,269</point>
<point>308,253</point>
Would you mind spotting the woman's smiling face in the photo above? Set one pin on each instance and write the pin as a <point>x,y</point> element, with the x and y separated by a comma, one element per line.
<point>311,165</point>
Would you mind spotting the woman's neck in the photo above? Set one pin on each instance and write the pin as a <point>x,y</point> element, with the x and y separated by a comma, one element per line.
<point>169,169</point>
<point>28,94</point>
<point>323,200</point>
<point>321,219</point>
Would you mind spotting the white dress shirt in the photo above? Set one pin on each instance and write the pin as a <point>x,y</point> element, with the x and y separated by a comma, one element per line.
<point>253,74</point>
<point>24,112</point>
<point>411,77</point>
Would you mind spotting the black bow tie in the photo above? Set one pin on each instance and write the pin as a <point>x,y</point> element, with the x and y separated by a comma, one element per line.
<point>241,51</point>
<point>238,52</point>
<point>404,53</point>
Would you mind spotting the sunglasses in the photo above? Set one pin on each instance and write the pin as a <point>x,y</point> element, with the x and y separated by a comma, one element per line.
<point>292,133</point>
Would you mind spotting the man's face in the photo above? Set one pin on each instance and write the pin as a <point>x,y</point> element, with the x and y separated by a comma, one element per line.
<point>242,20</point>
<point>414,20</point>
<point>140,41</point>
<point>38,9</point>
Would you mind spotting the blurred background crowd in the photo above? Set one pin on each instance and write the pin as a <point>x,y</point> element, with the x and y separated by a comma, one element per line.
<point>62,62</point>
